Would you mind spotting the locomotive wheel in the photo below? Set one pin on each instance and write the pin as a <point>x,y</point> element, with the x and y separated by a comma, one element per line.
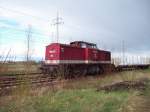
<point>101,70</point>
<point>93,70</point>
<point>77,71</point>
<point>63,71</point>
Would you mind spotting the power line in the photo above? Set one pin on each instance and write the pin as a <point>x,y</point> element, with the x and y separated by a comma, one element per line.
<point>23,30</point>
<point>55,22</point>
<point>23,39</point>
<point>25,14</point>
<point>39,18</point>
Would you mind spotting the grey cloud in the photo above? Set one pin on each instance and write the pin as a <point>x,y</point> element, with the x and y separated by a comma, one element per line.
<point>105,22</point>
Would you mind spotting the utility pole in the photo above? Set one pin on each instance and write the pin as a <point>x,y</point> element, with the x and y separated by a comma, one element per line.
<point>56,22</point>
<point>28,41</point>
<point>123,52</point>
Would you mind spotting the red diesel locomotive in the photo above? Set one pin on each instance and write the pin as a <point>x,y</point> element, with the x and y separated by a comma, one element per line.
<point>77,58</point>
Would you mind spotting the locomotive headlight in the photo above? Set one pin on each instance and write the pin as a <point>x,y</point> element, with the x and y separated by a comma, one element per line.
<point>94,51</point>
<point>62,49</point>
<point>52,51</point>
<point>51,55</point>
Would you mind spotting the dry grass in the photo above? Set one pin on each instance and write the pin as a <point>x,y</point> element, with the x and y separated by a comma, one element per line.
<point>137,102</point>
<point>18,67</point>
<point>101,80</point>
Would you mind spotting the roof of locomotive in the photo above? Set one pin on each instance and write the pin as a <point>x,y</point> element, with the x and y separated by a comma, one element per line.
<point>82,42</point>
<point>77,42</point>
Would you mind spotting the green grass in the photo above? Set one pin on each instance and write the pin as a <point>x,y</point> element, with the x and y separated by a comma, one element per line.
<point>85,100</point>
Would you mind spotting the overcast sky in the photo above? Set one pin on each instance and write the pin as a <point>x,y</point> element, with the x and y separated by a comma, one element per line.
<point>105,22</point>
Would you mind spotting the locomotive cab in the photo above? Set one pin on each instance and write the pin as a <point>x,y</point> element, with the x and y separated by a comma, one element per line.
<point>83,44</point>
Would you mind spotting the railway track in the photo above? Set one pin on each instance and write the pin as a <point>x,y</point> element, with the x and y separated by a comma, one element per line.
<point>32,79</point>
<point>39,79</point>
